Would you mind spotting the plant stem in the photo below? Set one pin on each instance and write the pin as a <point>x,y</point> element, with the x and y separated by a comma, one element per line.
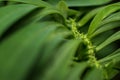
<point>91,55</point>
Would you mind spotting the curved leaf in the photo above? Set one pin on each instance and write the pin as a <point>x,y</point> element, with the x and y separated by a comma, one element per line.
<point>112,57</point>
<point>62,61</point>
<point>106,27</point>
<point>88,16</point>
<point>74,3</point>
<point>94,74</point>
<point>111,39</point>
<point>16,11</point>
<point>101,15</point>
<point>77,71</point>
<point>38,3</point>
<point>19,52</point>
<point>113,17</point>
<point>77,3</point>
<point>48,11</point>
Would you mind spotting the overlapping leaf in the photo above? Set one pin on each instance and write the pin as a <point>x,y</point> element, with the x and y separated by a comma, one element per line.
<point>101,15</point>
<point>6,12</point>
<point>76,3</point>
<point>19,52</point>
<point>43,47</point>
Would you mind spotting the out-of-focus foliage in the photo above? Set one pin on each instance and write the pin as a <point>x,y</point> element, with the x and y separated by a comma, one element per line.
<point>59,39</point>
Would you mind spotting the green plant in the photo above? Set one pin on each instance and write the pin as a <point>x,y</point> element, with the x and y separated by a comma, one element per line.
<point>59,39</point>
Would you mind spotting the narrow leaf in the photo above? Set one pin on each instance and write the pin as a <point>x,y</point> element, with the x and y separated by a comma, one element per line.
<point>19,52</point>
<point>38,3</point>
<point>106,27</point>
<point>101,15</point>
<point>62,61</point>
<point>77,71</point>
<point>88,16</point>
<point>15,13</point>
<point>111,39</point>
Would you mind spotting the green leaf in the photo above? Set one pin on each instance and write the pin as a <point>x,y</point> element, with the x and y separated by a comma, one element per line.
<point>94,74</point>
<point>48,11</point>
<point>37,42</point>
<point>61,61</point>
<point>77,3</point>
<point>113,17</point>
<point>53,44</point>
<point>62,6</point>
<point>88,16</point>
<point>109,62</point>
<point>111,39</point>
<point>106,27</point>
<point>77,71</point>
<point>74,3</point>
<point>15,13</point>
<point>112,57</point>
<point>38,3</point>
<point>107,10</point>
<point>19,51</point>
